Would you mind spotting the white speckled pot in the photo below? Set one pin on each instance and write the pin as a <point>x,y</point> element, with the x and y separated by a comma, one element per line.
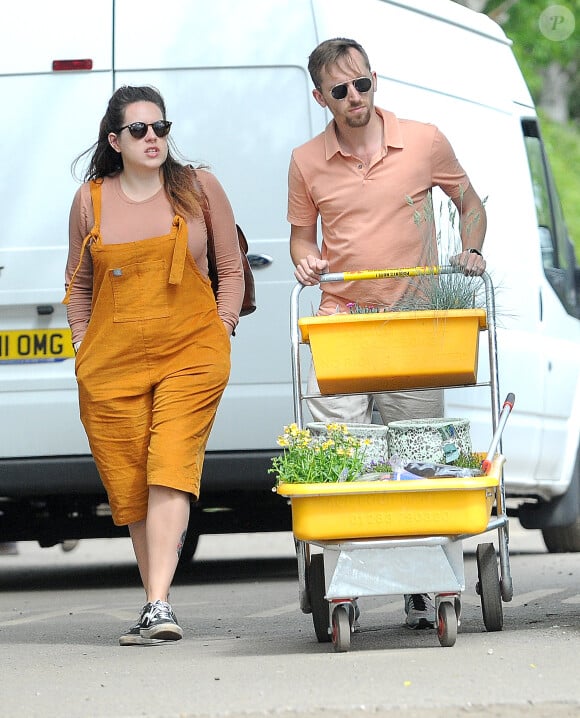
<point>429,440</point>
<point>377,451</point>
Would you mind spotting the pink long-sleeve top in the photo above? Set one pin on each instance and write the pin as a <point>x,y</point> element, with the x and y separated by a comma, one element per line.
<point>124,220</point>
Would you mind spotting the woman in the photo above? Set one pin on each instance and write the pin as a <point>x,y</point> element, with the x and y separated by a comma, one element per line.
<point>153,347</point>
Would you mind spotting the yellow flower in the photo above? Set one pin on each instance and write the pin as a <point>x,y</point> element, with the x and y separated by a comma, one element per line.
<point>333,456</point>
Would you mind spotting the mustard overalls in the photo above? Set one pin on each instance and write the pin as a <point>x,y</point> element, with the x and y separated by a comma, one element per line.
<point>151,368</point>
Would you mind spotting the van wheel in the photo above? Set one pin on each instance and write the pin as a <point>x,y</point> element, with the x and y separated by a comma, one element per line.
<point>563,539</point>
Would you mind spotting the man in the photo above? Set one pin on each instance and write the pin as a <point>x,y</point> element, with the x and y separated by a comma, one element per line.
<point>368,176</point>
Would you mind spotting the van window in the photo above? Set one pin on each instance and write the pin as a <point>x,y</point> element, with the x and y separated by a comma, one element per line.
<point>558,255</point>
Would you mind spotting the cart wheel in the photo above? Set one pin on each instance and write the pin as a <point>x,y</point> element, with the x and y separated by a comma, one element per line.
<point>319,605</point>
<point>447,624</point>
<point>340,629</point>
<point>489,587</point>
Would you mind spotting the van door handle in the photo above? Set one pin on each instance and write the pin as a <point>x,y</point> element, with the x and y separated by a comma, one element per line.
<point>258,261</point>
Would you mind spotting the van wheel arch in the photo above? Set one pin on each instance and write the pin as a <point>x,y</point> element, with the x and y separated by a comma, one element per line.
<point>558,519</point>
<point>563,539</point>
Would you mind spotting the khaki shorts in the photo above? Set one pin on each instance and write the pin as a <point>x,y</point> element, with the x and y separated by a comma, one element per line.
<point>358,408</point>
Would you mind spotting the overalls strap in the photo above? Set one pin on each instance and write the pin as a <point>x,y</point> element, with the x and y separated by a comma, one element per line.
<point>179,251</point>
<point>96,198</point>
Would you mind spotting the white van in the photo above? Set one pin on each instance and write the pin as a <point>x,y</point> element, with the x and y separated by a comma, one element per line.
<point>235,81</point>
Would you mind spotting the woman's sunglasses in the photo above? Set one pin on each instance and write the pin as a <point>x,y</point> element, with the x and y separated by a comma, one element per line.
<point>361,84</point>
<point>139,129</point>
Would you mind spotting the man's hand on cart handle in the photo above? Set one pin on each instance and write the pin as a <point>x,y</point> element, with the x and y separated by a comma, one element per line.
<point>470,262</point>
<point>309,269</point>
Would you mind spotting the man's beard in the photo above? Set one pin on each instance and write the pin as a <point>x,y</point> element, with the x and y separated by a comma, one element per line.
<point>360,120</point>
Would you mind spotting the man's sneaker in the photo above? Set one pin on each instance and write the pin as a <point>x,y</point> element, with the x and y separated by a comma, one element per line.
<point>133,636</point>
<point>420,611</point>
<point>158,621</point>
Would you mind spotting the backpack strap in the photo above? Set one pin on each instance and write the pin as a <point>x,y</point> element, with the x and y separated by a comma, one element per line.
<point>211,258</point>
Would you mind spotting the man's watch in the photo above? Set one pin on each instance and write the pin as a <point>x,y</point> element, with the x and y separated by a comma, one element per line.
<point>472,250</point>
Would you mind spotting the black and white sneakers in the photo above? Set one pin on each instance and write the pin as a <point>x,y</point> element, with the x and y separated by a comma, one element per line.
<point>158,621</point>
<point>157,624</point>
<point>420,611</point>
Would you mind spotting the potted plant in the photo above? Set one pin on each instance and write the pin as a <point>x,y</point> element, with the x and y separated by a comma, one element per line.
<point>333,496</point>
<point>329,457</point>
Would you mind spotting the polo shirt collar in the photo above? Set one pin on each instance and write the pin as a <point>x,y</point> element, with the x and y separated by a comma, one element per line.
<point>392,136</point>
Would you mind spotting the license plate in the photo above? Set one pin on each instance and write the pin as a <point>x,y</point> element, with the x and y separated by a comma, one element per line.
<point>35,345</point>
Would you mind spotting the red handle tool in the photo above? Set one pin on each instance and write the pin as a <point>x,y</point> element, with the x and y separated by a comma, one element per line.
<point>508,405</point>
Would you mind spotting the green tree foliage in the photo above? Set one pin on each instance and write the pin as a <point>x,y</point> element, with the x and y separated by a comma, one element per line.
<point>534,50</point>
<point>520,20</point>
<point>563,148</point>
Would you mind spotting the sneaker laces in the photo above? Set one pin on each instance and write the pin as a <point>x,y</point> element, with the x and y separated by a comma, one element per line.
<point>160,609</point>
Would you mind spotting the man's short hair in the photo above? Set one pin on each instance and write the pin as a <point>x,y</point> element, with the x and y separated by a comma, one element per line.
<point>329,53</point>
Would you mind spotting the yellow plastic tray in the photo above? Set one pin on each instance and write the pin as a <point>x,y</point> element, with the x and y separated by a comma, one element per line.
<point>394,350</point>
<point>371,509</point>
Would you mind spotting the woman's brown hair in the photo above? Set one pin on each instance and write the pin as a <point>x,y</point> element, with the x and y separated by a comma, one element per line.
<point>106,162</point>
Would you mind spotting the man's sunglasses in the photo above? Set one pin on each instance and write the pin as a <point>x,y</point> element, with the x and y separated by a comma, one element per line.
<point>139,129</point>
<point>361,84</point>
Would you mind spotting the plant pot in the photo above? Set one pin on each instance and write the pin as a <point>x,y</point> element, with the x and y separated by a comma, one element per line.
<point>394,350</point>
<point>376,451</point>
<point>432,440</point>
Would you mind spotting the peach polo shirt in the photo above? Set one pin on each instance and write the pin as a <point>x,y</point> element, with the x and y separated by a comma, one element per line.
<point>367,221</point>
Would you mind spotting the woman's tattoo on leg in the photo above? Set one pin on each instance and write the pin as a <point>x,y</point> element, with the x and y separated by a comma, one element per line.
<point>181,542</point>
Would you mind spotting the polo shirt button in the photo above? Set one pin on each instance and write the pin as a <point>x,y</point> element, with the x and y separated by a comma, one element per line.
<point>360,167</point>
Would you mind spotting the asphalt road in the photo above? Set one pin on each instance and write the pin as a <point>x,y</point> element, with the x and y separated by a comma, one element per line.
<point>249,651</point>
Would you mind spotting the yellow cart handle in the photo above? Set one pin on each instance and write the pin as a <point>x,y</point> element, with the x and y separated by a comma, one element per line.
<point>385,273</point>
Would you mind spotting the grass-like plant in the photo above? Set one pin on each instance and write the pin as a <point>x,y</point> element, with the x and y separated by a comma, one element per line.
<point>468,461</point>
<point>442,291</point>
<point>441,237</point>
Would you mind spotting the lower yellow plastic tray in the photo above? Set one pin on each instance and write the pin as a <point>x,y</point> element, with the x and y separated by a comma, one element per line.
<point>372,509</point>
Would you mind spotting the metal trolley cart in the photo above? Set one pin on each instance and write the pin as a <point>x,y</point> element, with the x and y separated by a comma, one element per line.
<point>398,537</point>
